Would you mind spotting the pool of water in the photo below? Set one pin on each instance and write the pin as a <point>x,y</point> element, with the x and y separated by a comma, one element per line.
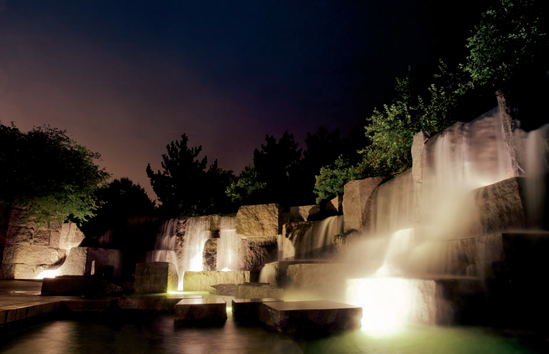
<point>158,334</point>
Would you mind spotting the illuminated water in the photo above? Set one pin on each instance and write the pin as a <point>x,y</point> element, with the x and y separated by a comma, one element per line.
<point>142,334</point>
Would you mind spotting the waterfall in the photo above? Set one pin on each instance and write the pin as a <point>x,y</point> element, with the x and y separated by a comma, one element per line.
<point>184,250</point>
<point>228,245</point>
<point>314,239</point>
<point>196,233</point>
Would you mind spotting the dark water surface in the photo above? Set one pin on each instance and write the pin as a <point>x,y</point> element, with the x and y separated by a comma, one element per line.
<point>157,334</point>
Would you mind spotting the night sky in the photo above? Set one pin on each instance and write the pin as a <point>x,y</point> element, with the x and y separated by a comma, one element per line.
<point>125,78</point>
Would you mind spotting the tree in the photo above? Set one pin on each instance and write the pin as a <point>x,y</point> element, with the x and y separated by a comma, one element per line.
<point>332,178</point>
<point>184,187</point>
<point>247,188</point>
<point>120,199</point>
<point>508,39</point>
<point>49,173</point>
<point>274,177</point>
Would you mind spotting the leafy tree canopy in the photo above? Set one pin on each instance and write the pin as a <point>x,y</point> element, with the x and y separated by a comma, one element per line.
<point>49,173</point>
<point>509,38</point>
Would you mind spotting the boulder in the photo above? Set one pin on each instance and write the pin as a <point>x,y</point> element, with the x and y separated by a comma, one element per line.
<point>302,213</point>
<point>258,220</point>
<point>202,281</point>
<point>357,200</point>
<point>158,277</point>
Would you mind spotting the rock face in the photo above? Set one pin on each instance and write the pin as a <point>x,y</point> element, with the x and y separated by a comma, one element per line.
<point>202,281</point>
<point>210,255</point>
<point>258,251</point>
<point>302,213</point>
<point>500,207</point>
<point>258,220</point>
<point>335,205</point>
<point>29,250</point>
<point>357,200</point>
<point>158,277</point>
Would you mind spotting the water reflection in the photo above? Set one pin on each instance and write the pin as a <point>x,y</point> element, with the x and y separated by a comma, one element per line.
<point>157,334</point>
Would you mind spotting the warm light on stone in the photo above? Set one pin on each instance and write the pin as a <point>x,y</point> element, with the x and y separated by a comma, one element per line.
<point>386,303</point>
<point>50,273</point>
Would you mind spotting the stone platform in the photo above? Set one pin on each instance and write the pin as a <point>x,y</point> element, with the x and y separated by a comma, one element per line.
<point>310,318</point>
<point>247,310</point>
<point>204,311</point>
<point>161,303</point>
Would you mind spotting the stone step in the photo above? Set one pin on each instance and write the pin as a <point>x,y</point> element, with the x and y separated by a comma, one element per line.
<point>247,310</point>
<point>22,311</point>
<point>311,318</point>
<point>205,311</point>
<point>153,302</point>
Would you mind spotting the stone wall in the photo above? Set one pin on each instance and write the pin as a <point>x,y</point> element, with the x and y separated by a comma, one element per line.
<point>30,249</point>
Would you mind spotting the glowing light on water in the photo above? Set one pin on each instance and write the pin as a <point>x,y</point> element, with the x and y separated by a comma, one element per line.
<point>386,303</point>
<point>50,273</point>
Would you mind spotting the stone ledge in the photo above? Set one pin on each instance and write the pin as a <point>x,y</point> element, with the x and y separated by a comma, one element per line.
<point>311,318</point>
<point>247,310</point>
<point>205,311</point>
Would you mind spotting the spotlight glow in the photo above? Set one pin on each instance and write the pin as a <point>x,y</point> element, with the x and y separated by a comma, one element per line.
<point>386,303</point>
<point>50,273</point>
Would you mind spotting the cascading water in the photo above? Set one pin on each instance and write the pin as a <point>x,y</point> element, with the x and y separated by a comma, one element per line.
<point>313,239</point>
<point>184,250</point>
<point>196,233</point>
<point>441,206</point>
<point>228,245</point>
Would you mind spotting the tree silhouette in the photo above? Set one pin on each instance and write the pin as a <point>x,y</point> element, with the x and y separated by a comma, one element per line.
<point>185,187</point>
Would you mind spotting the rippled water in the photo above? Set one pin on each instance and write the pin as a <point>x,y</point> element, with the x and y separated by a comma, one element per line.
<point>157,334</point>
